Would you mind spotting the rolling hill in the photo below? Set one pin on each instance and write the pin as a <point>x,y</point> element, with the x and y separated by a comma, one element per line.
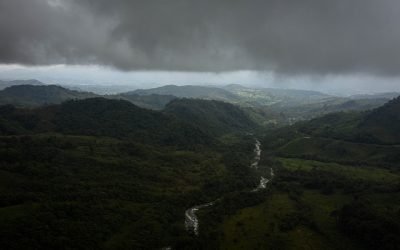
<point>102,117</point>
<point>379,125</point>
<point>152,101</point>
<point>6,84</point>
<point>36,95</point>
<point>383,123</point>
<point>215,117</point>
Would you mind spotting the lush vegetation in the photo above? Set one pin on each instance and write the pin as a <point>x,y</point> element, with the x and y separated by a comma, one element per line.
<point>106,174</point>
<point>83,192</point>
<point>152,101</point>
<point>100,173</point>
<point>214,117</point>
<point>332,189</point>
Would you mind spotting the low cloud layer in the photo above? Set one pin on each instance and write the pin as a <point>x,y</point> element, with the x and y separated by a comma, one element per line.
<point>285,36</point>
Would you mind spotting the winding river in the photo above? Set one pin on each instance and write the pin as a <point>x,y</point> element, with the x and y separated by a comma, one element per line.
<point>191,219</point>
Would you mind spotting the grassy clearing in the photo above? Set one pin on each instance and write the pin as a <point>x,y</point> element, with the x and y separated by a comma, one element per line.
<point>256,227</point>
<point>330,150</point>
<point>262,227</point>
<point>368,173</point>
<point>322,207</point>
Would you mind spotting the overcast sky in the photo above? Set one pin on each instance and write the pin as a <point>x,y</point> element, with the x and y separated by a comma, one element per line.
<point>333,45</point>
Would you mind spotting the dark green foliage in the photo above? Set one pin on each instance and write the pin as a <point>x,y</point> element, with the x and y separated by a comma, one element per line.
<point>151,101</point>
<point>103,117</point>
<point>346,138</point>
<point>383,123</point>
<point>214,117</point>
<point>365,182</point>
<point>79,192</point>
<point>374,229</point>
<point>106,174</point>
<point>379,126</point>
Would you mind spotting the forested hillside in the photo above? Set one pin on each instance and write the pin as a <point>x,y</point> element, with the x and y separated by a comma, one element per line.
<point>106,174</point>
<point>215,117</point>
<point>102,117</point>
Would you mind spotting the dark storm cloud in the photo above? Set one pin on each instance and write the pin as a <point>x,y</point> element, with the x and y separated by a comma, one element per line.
<point>288,36</point>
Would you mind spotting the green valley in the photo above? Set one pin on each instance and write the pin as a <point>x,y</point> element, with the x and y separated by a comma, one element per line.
<point>102,173</point>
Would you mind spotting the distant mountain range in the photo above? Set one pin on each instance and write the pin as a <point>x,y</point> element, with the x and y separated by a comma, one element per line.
<point>40,94</point>
<point>238,94</point>
<point>265,105</point>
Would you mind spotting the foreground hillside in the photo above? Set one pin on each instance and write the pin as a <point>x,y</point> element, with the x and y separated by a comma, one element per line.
<point>80,192</point>
<point>106,174</point>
